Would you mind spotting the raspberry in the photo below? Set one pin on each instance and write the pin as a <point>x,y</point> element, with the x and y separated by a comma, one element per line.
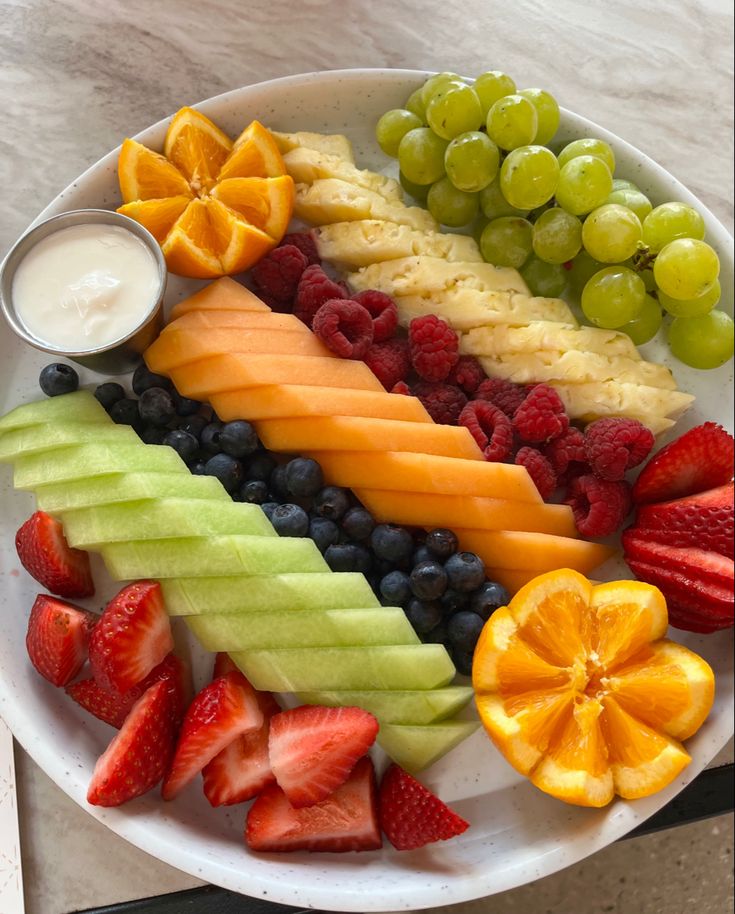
<point>401,388</point>
<point>501,393</point>
<point>467,374</point>
<point>278,274</point>
<point>490,428</point>
<point>314,289</point>
<point>539,469</point>
<point>434,347</point>
<point>305,243</point>
<point>443,402</point>
<point>566,450</point>
<point>383,311</point>
<point>345,327</point>
<point>541,416</point>
<point>599,505</point>
<point>613,446</point>
<point>389,361</point>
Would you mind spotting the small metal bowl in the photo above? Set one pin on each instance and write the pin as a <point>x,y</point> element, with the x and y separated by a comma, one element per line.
<point>120,355</point>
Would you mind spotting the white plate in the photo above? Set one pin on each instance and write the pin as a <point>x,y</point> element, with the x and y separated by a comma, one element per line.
<point>518,834</point>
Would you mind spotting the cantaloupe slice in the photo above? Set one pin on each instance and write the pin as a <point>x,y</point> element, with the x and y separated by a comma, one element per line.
<point>535,552</point>
<point>240,320</point>
<point>221,295</point>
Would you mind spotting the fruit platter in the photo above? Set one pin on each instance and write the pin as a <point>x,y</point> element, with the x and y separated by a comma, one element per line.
<point>383,558</point>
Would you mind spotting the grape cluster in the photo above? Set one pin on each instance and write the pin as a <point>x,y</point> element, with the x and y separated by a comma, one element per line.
<point>476,153</point>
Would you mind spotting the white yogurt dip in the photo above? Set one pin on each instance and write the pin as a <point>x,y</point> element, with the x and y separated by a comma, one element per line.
<point>85,287</point>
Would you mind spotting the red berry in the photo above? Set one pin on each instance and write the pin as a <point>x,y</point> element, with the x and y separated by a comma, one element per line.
<point>443,402</point>
<point>490,428</point>
<point>434,347</point>
<point>541,416</point>
<point>314,288</point>
<point>539,469</point>
<point>467,374</point>
<point>389,361</point>
<point>345,326</point>
<point>504,394</point>
<point>613,446</point>
<point>57,638</point>
<point>277,275</point>
<point>304,241</point>
<point>383,311</point>
<point>45,554</point>
<point>401,388</point>
<point>566,451</point>
<point>599,505</point>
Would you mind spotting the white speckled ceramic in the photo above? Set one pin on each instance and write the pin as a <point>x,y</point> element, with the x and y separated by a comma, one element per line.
<point>518,834</point>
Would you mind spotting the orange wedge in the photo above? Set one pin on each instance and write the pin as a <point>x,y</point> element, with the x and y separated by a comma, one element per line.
<point>581,693</point>
<point>197,147</point>
<point>146,175</point>
<point>266,203</point>
<point>157,215</point>
<point>255,154</point>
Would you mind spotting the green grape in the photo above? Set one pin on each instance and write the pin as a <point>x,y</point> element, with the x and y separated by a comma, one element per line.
<point>633,199</point>
<point>529,176</point>
<point>450,206</point>
<point>415,105</point>
<point>671,221</point>
<point>494,204</point>
<point>392,127</point>
<point>648,279</point>
<point>512,122</point>
<point>438,81</point>
<point>583,268</point>
<point>686,268</point>
<point>691,307</point>
<point>584,184</point>
<point>507,241</point>
<point>623,184</point>
<point>702,342</point>
<point>557,236</point>
<point>643,328</point>
<point>421,156</point>
<point>588,147</point>
<point>612,297</point>
<point>546,279</point>
<point>417,191</point>
<point>478,227</point>
<point>491,87</point>
<point>547,112</point>
<point>453,112</point>
<point>472,161</point>
<point>611,233</point>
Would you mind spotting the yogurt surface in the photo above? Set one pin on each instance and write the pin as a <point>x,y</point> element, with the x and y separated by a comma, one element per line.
<point>85,286</point>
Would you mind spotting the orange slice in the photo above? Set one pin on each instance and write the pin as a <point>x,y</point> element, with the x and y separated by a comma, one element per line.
<point>157,215</point>
<point>191,247</point>
<point>145,174</point>
<point>266,203</point>
<point>240,244</point>
<point>255,154</point>
<point>197,147</point>
<point>578,689</point>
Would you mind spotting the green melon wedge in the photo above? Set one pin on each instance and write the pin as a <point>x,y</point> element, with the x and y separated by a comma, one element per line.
<point>309,628</point>
<point>266,593</point>
<point>212,555</point>
<point>421,706</point>
<point>161,518</point>
<point>35,439</point>
<point>80,406</point>
<point>416,747</point>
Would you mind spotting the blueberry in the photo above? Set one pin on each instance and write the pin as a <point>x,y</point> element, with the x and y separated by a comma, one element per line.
<point>358,523</point>
<point>209,438</point>
<point>303,477</point>
<point>428,580</point>
<point>143,379</point>
<point>423,615</point>
<point>156,406</point>
<point>184,443</point>
<point>185,406</point>
<point>225,468</point>
<point>268,508</point>
<point>152,435</point>
<point>462,660</point>
<point>452,600</point>
<point>464,629</point>
<point>437,635</point>
<point>278,481</point>
<point>254,492</point>
<point>487,598</point>
<point>421,554</point>
<point>324,532</point>
<point>125,412</point>
<point>396,588</point>
<point>331,502</point>
<point>442,543</point>
<point>342,557</point>
<point>364,559</point>
<point>260,466</point>
<point>109,393</point>
<point>194,425</point>
<point>238,439</point>
<point>57,379</point>
<point>290,520</point>
<point>465,570</point>
<point>382,567</point>
<point>198,468</point>
<point>393,543</point>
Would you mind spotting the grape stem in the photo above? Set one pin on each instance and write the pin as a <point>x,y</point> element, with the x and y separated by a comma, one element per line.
<point>642,259</point>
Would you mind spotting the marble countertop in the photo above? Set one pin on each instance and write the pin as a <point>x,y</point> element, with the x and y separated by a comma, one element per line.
<point>78,75</point>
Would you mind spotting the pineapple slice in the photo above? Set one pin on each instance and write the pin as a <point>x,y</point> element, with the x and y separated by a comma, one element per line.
<point>653,406</point>
<point>358,244</point>
<point>331,144</point>
<point>465,309</point>
<point>308,165</point>
<point>498,341</point>
<point>330,200</point>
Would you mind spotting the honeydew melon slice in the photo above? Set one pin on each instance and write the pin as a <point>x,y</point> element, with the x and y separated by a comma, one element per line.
<point>310,628</point>
<point>420,706</point>
<point>120,487</point>
<point>266,593</point>
<point>35,439</point>
<point>80,406</point>
<point>416,747</point>
<point>85,461</point>
<point>162,518</point>
<point>395,666</point>
<point>211,555</point>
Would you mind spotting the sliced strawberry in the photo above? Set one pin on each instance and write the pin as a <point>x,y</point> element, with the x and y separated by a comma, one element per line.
<point>222,711</point>
<point>113,707</point>
<point>223,664</point>
<point>683,617</point>
<point>412,816</point>
<point>132,637</point>
<point>138,756</point>
<point>58,638</point>
<point>313,749</point>
<point>696,563</point>
<point>704,520</point>
<point>45,554</point>
<point>700,459</point>
<point>346,820</point>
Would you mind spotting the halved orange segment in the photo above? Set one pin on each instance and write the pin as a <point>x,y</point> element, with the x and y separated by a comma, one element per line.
<point>627,616</point>
<point>255,154</point>
<point>145,174</point>
<point>197,147</point>
<point>266,203</point>
<point>240,244</point>
<point>191,247</point>
<point>157,215</point>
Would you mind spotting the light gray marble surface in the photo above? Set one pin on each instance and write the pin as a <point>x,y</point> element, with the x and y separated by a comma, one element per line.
<point>78,75</point>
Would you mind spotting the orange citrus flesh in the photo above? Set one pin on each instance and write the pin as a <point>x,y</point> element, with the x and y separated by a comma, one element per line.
<point>215,207</point>
<point>579,690</point>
